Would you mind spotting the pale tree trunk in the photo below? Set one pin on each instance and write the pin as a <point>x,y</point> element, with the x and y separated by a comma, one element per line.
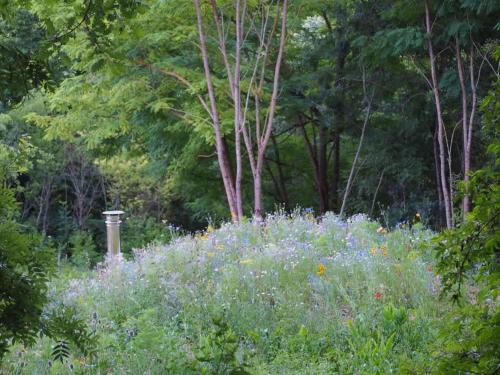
<point>44,204</point>
<point>376,192</point>
<point>323,170</point>
<point>467,118</point>
<point>234,189</point>
<point>465,122</point>
<point>468,146</point>
<point>438,177</point>
<point>336,170</point>
<point>441,130</point>
<point>342,46</point>
<point>266,134</point>
<point>238,116</point>
<point>356,156</point>
<point>220,148</point>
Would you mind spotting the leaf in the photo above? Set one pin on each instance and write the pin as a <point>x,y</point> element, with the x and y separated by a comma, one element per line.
<point>60,351</point>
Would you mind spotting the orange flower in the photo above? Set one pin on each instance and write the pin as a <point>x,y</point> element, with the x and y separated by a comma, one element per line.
<point>373,251</point>
<point>378,295</point>
<point>321,269</point>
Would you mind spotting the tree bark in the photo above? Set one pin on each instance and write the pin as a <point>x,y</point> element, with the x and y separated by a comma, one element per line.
<point>264,140</point>
<point>465,121</point>
<point>441,131</point>
<point>376,192</point>
<point>356,157</point>
<point>44,204</point>
<point>438,178</point>
<point>238,116</point>
<point>323,171</point>
<point>281,178</point>
<point>222,155</point>
<point>336,170</point>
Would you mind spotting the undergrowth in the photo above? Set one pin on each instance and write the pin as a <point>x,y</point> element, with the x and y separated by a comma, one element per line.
<point>292,295</point>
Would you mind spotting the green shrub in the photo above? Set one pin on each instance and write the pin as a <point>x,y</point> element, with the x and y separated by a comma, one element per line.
<point>83,250</point>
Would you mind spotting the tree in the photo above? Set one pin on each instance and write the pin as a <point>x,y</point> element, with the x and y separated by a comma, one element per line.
<point>453,32</point>
<point>468,262</point>
<point>25,61</point>
<point>25,266</point>
<point>260,28</point>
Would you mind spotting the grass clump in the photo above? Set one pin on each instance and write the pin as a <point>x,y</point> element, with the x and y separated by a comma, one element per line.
<point>293,295</point>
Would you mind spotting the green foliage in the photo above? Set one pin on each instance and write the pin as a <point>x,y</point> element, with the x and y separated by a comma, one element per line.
<point>254,298</point>
<point>468,262</point>
<point>83,250</point>
<point>100,108</point>
<point>24,272</point>
<point>60,351</point>
<point>24,62</point>
<point>137,233</point>
<point>62,323</point>
<point>220,351</point>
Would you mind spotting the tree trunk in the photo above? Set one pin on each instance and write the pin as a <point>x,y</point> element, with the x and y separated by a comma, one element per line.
<point>376,192</point>
<point>323,171</point>
<point>281,178</point>
<point>264,140</point>
<point>441,131</point>
<point>257,186</point>
<point>44,204</point>
<point>336,170</point>
<point>442,213</point>
<point>356,157</point>
<point>222,155</point>
<point>238,116</point>
<point>467,119</point>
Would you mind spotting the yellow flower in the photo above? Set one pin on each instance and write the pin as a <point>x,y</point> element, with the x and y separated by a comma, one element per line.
<point>373,250</point>
<point>246,261</point>
<point>321,269</point>
<point>220,247</point>
<point>80,361</point>
<point>210,228</point>
<point>210,254</point>
<point>204,236</point>
<point>384,250</point>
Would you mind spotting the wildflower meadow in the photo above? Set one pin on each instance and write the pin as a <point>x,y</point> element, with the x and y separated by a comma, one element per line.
<point>293,294</point>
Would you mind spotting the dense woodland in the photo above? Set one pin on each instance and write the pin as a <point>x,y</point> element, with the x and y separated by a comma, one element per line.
<point>186,113</point>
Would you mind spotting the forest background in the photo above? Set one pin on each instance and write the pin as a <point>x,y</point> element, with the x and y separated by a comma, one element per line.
<point>106,104</point>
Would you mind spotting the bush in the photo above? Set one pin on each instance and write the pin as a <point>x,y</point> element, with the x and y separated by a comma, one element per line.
<point>83,250</point>
<point>138,233</point>
<point>24,271</point>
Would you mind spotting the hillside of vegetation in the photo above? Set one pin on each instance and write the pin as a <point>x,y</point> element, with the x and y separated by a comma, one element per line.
<point>292,296</point>
<point>182,113</point>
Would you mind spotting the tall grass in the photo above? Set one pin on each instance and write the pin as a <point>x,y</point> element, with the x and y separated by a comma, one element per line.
<point>292,295</point>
